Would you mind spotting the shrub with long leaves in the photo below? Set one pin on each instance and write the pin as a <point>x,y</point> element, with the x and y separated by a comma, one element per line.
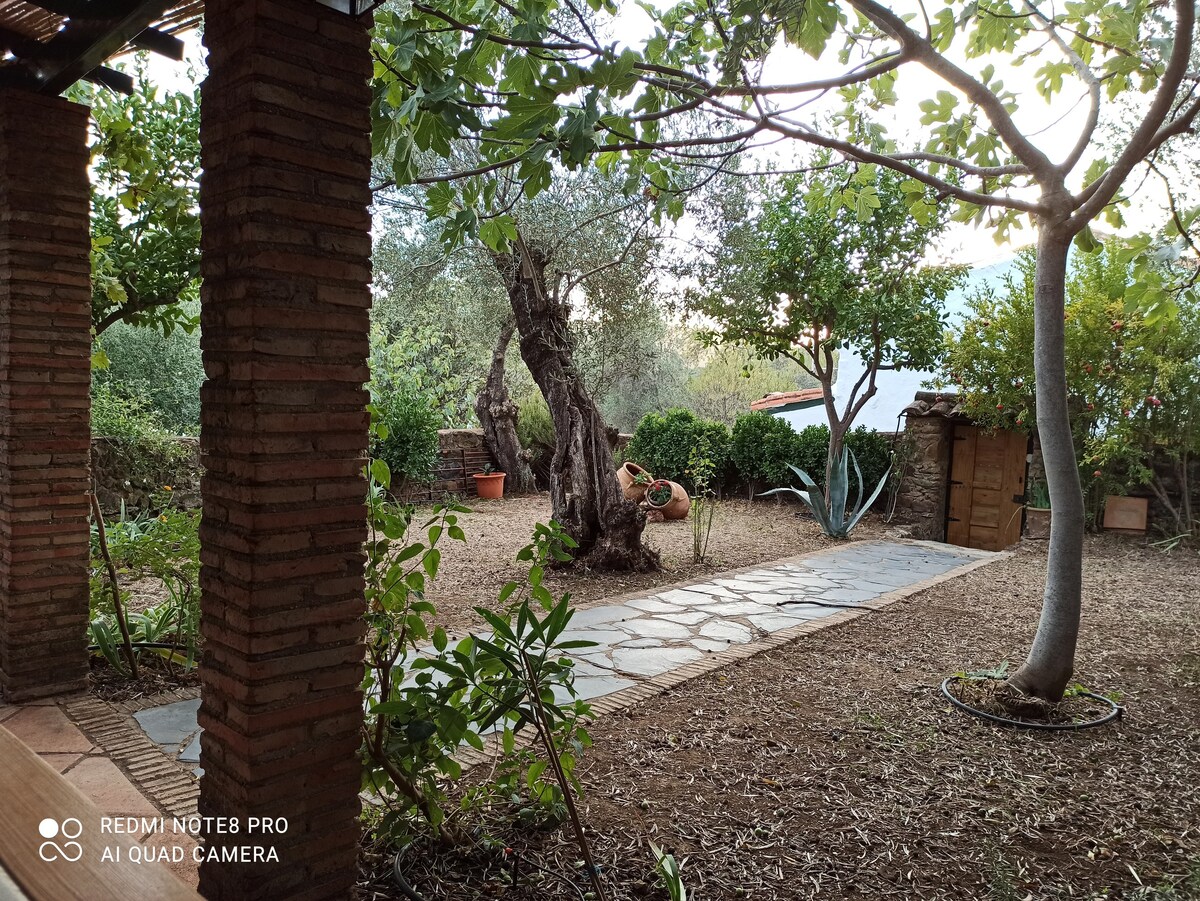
<point>426,699</point>
<point>830,509</point>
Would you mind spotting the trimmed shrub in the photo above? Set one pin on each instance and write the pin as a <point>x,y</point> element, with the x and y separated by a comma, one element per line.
<point>872,450</point>
<point>812,450</point>
<point>663,444</point>
<point>762,447</point>
<point>411,447</point>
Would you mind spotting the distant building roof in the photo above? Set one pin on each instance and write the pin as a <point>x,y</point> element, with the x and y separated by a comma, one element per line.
<point>794,399</point>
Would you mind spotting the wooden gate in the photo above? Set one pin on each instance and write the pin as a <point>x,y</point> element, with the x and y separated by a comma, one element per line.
<point>987,488</point>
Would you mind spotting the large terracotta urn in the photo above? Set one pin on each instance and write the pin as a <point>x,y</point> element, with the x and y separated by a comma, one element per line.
<point>633,489</point>
<point>676,506</point>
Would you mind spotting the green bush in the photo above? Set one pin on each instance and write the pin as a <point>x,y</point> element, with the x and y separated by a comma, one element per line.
<point>871,449</point>
<point>164,370</point>
<point>812,451</point>
<point>762,447</point>
<point>123,417</point>
<point>535,427</point>
<point>411,447</point>
<point>663,444</point>
<point>873,452</point>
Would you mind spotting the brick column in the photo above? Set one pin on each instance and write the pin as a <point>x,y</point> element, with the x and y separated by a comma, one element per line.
<point>45,375</point>
<point>286,266</point>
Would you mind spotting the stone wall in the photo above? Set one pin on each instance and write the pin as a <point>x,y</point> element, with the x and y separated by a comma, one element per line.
<point>135,475</point>
<point>921,502</point>
<point>461,454</point>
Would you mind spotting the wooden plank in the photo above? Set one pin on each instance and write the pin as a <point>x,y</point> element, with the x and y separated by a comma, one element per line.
<point>962,463</point>
<point>33,791</point>
<point>1011,507</point>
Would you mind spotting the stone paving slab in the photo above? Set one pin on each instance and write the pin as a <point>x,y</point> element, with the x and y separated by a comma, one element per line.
<point>651,635</point>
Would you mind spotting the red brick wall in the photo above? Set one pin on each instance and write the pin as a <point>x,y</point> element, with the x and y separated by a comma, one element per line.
<point>286,265</point>
<point>45,372</point>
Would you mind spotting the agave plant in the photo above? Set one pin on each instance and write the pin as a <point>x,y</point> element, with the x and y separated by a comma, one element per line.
<point>829,510</point>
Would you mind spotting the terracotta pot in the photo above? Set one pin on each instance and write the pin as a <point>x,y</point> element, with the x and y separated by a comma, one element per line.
<point>675,508</point>
<point>1037,523</point>
<point>489,485</point>
<point>627,474</point>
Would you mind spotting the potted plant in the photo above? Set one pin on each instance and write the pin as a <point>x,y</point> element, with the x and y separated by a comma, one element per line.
<point>668,498</point>
<point>1037,511</point>
<point>489,484</point>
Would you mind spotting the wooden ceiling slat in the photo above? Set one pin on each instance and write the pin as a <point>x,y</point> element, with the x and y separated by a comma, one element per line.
<point>41,35</point>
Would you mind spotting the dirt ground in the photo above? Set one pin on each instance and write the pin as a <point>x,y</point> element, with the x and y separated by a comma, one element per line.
<point>832,768</point>
<point>744,533</point>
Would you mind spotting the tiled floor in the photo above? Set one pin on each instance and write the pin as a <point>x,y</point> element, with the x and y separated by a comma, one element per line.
<point>173,728</point>
<point>45,728</point>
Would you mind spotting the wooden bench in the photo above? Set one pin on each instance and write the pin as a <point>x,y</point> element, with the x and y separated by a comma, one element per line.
<point>31,792</point>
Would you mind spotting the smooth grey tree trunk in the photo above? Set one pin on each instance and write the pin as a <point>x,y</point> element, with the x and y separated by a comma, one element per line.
<point>1048,669</point>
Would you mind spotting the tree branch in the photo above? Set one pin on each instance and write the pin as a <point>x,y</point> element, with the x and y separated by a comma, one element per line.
<point>1151,132</point>
<point>921,50</point>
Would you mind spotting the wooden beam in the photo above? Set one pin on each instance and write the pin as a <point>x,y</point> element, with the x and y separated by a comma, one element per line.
<point>87,44</point>
<point>160,42</point>
<point>111,79</point>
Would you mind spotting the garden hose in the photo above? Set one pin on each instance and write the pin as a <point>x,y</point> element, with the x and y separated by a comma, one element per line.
<point>1114,714</point>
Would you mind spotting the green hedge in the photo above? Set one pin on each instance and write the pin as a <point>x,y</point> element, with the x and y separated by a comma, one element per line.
<point>663,444</point>
<point>872,450</point>
<point>762,447</point>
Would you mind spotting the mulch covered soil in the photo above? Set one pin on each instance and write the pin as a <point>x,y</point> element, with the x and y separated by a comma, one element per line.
<point>833,767</point>
<point>743,533</point>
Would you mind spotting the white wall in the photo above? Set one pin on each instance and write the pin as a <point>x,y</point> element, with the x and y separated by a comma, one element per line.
<point>895,390</point>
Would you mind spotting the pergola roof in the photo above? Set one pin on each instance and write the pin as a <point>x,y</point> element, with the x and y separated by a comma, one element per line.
<point>48,45</point>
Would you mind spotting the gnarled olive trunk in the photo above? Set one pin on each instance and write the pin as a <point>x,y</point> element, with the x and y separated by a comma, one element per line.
<point>586,498</point>
<point>497,414</point>
<point>1047,671</point>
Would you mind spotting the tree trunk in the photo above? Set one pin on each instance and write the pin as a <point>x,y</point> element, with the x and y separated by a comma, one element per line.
<point>586,497</point>
<point>497,414</point>
<point>1048,669</point>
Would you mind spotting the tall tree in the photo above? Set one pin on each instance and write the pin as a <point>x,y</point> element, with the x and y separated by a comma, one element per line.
<point>586,255</point>
<point>832,264</point>
<point>586,497</point>
<point>531,82</point>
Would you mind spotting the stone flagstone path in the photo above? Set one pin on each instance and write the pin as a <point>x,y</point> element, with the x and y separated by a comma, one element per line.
<point>648,635</point>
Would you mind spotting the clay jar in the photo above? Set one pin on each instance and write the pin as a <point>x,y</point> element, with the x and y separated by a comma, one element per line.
<point>627,475</point>
<point>674,508</point>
